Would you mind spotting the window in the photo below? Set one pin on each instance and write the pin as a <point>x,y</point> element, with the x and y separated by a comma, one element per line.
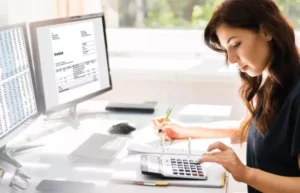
<point>187,14</point>
<point>165,31</point>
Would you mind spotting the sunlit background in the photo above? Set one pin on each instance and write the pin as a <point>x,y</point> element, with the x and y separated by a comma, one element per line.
<point>155,46</point>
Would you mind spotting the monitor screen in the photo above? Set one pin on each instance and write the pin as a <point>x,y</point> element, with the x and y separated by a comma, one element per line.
<point>71,60</point>
<point>17,91</point>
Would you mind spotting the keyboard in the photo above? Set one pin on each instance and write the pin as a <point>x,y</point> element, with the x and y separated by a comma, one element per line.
<point>98,147</point>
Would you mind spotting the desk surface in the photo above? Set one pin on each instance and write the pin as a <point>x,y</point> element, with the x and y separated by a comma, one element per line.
<point>50,161</point>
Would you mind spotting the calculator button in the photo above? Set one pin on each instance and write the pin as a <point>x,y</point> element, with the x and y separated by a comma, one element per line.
<point>175,173</point>
<point>188,174</point>
<point>195,174</point>
<point>182,174</point>
<point>188,170</point>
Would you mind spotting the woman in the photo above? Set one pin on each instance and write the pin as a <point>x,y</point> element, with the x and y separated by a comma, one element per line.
<point>256,37</point>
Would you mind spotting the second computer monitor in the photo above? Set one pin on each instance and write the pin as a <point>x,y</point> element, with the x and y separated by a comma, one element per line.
<point>18,107</point>
<point>71,60</point>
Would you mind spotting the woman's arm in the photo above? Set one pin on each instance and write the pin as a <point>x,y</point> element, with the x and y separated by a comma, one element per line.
<point>271,183</point>
<point>220,129</point>
<point>258,179</point>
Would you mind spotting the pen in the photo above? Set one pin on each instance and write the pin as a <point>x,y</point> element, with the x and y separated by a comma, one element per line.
<point>168,113</point>
<point>189,146</point>
<point>162,137</point>
<point>152,183</point>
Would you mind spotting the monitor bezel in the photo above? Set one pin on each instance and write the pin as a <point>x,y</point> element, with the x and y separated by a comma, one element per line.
<point>37,65</point>
<point>27,122</point>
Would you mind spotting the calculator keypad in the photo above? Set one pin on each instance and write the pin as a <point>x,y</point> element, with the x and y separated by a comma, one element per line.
<point>186,168</point>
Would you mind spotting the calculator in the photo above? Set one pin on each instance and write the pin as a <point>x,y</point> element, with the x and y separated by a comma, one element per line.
<point>172,167</point>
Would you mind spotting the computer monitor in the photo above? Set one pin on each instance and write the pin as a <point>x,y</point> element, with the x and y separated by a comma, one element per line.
<point>18,106</point>
<point>71,61</point>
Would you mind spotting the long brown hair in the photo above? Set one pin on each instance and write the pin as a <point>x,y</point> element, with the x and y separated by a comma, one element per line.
<point>284,70</point>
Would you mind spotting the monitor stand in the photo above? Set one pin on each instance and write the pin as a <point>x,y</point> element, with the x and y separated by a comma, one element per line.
<point>71,118</point>
<point>7,153</point>
<point>6,156</point>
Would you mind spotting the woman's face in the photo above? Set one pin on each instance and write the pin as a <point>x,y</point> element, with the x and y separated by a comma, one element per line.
<point>248,50</point>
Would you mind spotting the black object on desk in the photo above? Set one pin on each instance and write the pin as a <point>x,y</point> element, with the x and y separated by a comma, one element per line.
<point>146,107</point>
<point>56,186</point>
<point>121,128</point>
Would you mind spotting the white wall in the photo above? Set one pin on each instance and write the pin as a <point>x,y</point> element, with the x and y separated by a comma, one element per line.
<point>3,12</point>
<point>35,10</point>
<point>30,10</point>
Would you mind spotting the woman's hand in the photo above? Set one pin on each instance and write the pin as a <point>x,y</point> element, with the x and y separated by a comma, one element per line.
<point>228,159</point>
<point>170,129</point>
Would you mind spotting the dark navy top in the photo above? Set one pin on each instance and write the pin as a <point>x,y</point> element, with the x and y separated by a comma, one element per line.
<point>277,150</point>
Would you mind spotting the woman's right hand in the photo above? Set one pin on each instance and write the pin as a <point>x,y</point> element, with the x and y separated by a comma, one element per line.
<point>170,129</point>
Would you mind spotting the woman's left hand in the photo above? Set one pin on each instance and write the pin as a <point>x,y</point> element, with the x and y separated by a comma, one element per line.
<point>228,159</point>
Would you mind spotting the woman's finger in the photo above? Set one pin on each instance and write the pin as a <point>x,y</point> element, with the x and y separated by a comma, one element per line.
<point>160,120</point>
<point>158,125</point>
<point>167,138</point>
<point>216,157</point>
<point>211,153</point>
<point>155,123</point>
<point>218,145</point>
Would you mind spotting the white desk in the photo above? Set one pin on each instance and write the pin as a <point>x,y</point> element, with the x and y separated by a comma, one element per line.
<point>50,161</point>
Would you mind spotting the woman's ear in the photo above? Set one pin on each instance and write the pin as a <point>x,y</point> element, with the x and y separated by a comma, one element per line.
<point>267,35</point>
